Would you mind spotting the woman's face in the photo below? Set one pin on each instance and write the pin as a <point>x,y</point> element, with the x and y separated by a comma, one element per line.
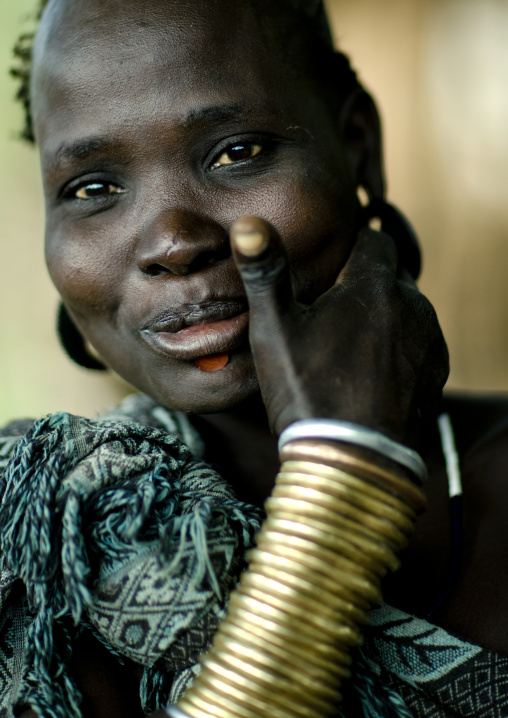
<point>159,124</point>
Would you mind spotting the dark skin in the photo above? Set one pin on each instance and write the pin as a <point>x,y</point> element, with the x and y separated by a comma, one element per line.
<point>157,153</point>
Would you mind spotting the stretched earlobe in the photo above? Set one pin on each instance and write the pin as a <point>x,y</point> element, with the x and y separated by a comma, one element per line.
<point>394,223</point>
<point>73,343</point>
<point>361,129</point>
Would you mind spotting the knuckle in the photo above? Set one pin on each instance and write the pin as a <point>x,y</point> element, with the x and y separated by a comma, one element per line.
<point>262,275</point>
<point>376,243</point>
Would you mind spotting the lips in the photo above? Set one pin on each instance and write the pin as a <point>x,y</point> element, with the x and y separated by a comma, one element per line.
<point>199,330</point>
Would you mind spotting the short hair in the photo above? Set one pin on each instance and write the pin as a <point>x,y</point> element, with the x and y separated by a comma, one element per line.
<point>312,12</point>
<point>22,70</point>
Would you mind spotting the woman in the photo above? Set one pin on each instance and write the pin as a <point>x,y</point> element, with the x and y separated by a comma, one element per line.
<point>201,166</point>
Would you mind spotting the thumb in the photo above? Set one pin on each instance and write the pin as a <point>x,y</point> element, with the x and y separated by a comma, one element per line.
<point>263,266</point>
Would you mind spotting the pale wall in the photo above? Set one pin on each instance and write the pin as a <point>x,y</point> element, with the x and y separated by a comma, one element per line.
<point>439,70</point>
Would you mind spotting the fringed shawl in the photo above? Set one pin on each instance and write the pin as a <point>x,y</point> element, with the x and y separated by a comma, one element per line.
<point>114,527</point>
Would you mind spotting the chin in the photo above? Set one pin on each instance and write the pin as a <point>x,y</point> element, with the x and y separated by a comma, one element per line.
<point>194,391</point>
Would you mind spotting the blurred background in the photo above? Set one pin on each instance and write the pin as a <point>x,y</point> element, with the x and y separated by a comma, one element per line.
<point>439,72</point>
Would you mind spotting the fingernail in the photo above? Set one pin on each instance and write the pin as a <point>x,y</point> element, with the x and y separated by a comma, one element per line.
<point>249,240</point>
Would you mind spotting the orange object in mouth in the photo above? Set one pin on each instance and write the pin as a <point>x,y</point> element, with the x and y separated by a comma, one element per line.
<point>213,362</point>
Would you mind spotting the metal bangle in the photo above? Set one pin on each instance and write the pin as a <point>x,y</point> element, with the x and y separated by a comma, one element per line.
<point>334,430</point>
<point>175,712</point>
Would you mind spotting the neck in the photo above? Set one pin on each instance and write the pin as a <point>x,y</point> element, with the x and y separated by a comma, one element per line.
<point>240,444</point>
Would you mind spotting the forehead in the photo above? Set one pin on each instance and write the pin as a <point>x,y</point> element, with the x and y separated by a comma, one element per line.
<point>214,44</point>
<point>87,36</point>
<point>68,26</point>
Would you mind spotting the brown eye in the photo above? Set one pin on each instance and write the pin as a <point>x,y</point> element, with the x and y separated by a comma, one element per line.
<point>237,153</point>
<point>97,189</point>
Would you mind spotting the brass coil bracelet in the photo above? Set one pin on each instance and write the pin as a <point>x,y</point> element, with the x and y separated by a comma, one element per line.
<point>335,523</point>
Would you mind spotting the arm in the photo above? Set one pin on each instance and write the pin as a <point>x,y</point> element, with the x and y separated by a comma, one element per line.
<point>370,352</point>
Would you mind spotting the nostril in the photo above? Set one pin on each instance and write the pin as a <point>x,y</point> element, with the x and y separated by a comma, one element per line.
<point>204,260</point>
<point>155,270</point>
<point>212,257</point>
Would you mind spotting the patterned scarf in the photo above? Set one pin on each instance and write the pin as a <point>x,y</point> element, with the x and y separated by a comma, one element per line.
<point>116,528</point>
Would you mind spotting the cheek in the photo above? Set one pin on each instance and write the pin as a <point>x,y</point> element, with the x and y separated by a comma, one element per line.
<point>319,236</point>
<point>85,272</point>
<point>314,212</point>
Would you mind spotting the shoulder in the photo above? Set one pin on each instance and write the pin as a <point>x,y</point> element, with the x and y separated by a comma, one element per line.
<point>10,434</point>
<point>479,608</point>
<point>480,421</point>
<point>142,409</point>
<point>16,428</point>
<point>480,425</point>
<point>136,409</point>
<point>469,555</point>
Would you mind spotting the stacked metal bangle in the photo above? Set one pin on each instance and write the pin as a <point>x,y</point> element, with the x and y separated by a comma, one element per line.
<point>335,523</point>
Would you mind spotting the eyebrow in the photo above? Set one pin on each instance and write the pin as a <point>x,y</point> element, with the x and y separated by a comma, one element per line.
<point>217,114</point>
<point>87,147</point>
<point>80,150</point>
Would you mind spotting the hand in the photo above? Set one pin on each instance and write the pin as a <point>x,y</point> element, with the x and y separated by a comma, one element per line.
<point>369,350</point>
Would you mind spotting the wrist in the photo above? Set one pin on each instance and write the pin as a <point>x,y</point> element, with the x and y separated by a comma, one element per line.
<point>354,438</point>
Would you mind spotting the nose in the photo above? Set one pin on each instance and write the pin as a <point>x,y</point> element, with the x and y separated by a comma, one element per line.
<point>181,242</point>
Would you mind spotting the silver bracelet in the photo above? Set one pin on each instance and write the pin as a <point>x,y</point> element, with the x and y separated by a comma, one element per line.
<point>359,436</point>
<point>174,712</point>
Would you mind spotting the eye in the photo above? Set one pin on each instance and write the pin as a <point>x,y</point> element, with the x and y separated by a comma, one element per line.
<point>240,152</point>
<point>94,190</point>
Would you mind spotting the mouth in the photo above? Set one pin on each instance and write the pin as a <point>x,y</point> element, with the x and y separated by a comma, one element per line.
<point>199,330</point>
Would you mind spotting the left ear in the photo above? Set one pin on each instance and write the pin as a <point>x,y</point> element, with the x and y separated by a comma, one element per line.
<point>360,126</point>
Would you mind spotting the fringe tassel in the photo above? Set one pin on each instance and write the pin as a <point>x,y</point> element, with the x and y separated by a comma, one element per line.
<point>82,498</point>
